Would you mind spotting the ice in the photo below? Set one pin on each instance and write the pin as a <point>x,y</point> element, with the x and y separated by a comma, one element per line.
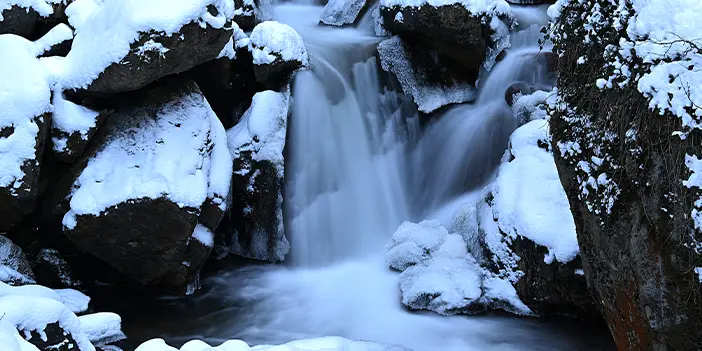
<point>341,12</point>
<point>262,129</point>
<point>428,97</point>
<point>105,31</point>
<point>166,156</point>
<point>529,199</point>
<point>25,94</point>
<point>270,40</point>
<point>319,344</point>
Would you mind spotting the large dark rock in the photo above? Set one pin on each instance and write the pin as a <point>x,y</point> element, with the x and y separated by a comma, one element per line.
<point>53,338</point>
<point>53,271</point>
<point>639,245</point>
<point>14,267</point>
<point>18,20</point>
<point>153,232</point>
<point>190,46</point>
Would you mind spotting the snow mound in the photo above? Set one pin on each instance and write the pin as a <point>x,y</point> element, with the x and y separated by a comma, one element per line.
<point>477,7</point>
<point>271,40</point>
<point>395,58</point>
<point>25,95</point>
<point>440,274</point>
<point>74,300</point>
<point>341,12</point>
<point>102,328</point>
<point>529,199</point>
<point>105,30</point>
<point>262,129</point>
<point>56,35</point>
<point>319,344</point>
<point>177,152</point>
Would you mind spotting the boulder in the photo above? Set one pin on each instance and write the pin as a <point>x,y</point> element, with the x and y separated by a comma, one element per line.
<point>627,162</point>
<point>518,88</point>
<point>31,19</point>
<point>25,118</point>
<point>278,51</point>
<point>531,2</point>
<point>53,271</point>
<point>143,185</point>
<point>73,126</point>
<point>14,267</point>
<point>140,46</point>
<point>446,44</point>
<point>343,12</point>
<point>254,226</point>
<point>18,20</point>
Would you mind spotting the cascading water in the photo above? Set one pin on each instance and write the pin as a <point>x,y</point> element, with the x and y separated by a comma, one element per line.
<point>356,167</point>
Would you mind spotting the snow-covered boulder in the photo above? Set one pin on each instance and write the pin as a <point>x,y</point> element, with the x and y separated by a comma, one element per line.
<point>531,2</point>
<point>342,12</point>
<point>25,116</point>
<point>16,19</point>
<point>529,231</point>
<point>53,271</point>
<point>14,267</point>
<point>440,274</point>
<point>124,45</point>
<point>72,127</point>
<point>158,167</point>
<point>444,46</point>
<point>326,343</point>
<point>254,227</point>
<point>278,51</point>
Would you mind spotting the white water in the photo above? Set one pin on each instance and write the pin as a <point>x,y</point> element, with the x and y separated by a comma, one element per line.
<point>357,167</point>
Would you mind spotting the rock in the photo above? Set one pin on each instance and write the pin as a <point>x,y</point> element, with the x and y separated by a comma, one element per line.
<point>140,48</point>
<point>342,12</point>
<point>254,227</point>
<point>24,124</point>
<point>245,14</point>
<point>446,45</point>
<point>518,88</point>
<point>72,128</point>
<point>158,160</point>
<point>640,244</point>
<point>528,231</point>
<point>53,271</point>
<point>531,2</point>
<point>14,267</point>
<point>278,51</point>
<point>18,20</point>
<point>53,338</point>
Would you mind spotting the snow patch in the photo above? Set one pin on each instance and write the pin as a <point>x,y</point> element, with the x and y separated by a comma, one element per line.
<point>203,235</point>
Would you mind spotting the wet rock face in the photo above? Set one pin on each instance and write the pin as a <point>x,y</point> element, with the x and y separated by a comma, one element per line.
<point>155,55</point>
<point>451,34</point>
<point>635,232</point>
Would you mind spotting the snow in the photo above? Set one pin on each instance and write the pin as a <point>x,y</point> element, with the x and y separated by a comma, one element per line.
<point>320,344</point>
<point>162,154</point>
<point>394,58</point>
<point>151,46</point>
<point>203,235</point>
<point>262,129</point>
<point>476,7</point>
<point>56,35</point>
<point>270,40</point>
<point>529,199</point>
<point>42,7</point>
<point>73,299</point>
<point>341,12</point>
<point>531,107</point>
<point>24,95</point>
<point>12,261</point>
<point>10,340</point>
<point>104,34</point>
<point>71,118</point>
<point>102,328</point>
<point>32,313</point>
<point>412,243</point>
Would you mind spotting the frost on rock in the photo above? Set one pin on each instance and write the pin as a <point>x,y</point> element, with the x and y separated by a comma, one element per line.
<point>395,58</point>
<point>175,153</point>
<point>272,41</point>
<point>529,199</point>
<point>124,45</point>
<point>256,144</point>
<point>25,111</point>
<point>342,12</point>
<point>440,274</point>
<point>72,127</point>
<point>52,270</point>
<point>332,343</point>
<point>14,267</point>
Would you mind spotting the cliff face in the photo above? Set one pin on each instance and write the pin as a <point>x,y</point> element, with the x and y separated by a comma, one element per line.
<point>628,171</point>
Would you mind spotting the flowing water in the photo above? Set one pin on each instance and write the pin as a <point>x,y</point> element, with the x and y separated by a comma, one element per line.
<point>357,165</point>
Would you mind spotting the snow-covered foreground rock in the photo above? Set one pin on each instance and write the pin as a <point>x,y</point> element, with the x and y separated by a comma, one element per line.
<point>342,12</point>
<point>154,183</point>
<point>327,344</point>
<point>444,48</point>
<point>14,267</point>
<point>278,51</point>
<point>254,227</point>
<point>35,318</point>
